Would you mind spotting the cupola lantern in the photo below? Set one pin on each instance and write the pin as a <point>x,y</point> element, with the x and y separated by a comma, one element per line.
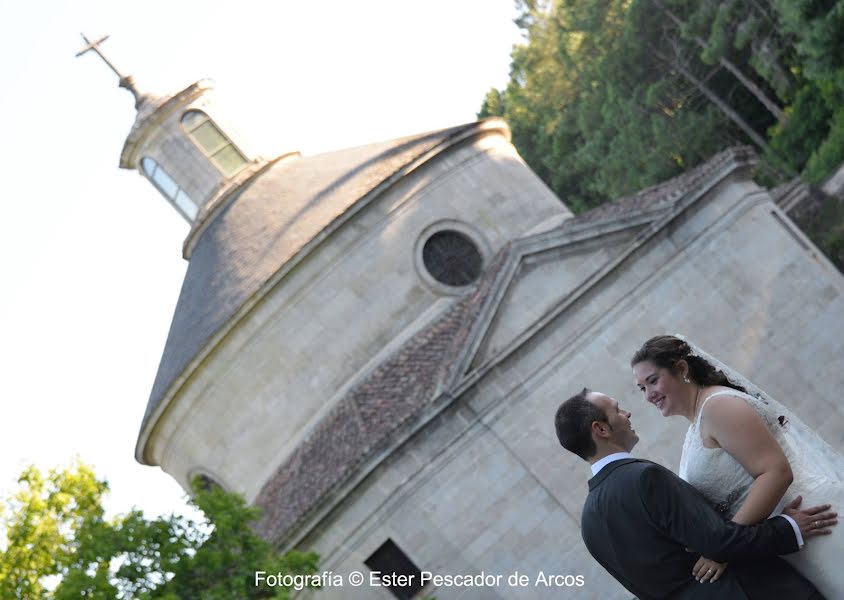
<point>183,146</point>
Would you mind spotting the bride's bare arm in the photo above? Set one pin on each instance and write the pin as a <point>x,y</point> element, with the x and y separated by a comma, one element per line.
<point>738,429</point>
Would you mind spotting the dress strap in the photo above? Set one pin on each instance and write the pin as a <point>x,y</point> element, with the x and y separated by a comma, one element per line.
<point>730,392</point>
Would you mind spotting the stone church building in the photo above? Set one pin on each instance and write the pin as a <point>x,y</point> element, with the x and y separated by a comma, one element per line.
<point>370,344</point>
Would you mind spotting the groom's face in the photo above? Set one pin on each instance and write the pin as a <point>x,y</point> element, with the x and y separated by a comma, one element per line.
<point>622,433</point>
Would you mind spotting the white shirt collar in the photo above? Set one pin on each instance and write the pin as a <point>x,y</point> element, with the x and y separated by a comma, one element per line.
<point>596,467</point>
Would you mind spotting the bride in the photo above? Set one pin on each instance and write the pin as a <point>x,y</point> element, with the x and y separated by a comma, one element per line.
<point>744,451</point>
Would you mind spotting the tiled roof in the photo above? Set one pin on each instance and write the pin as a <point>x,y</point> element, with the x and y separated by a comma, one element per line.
<point>370,416</point>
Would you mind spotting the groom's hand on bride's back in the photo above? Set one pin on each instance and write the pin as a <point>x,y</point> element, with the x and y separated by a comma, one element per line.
<point>816,520</point>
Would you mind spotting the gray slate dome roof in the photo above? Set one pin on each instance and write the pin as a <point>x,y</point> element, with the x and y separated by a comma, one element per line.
<point>280,214</point>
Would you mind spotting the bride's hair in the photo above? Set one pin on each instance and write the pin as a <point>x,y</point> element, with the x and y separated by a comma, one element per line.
<point>665,351</point>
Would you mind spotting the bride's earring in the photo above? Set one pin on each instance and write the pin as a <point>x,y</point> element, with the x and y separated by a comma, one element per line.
<point>686,378</point>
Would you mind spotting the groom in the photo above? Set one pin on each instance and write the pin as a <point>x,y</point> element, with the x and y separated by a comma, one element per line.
<point>639,518</point>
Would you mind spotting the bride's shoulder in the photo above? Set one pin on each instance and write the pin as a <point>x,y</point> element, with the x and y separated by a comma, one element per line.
<point>728,415</point>
<point>726,404</point>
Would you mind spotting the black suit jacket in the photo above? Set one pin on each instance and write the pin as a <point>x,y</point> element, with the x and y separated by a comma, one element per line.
<point>639,518</point>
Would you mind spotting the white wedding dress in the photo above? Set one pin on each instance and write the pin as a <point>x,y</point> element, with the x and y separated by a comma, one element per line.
<point>818,477</point>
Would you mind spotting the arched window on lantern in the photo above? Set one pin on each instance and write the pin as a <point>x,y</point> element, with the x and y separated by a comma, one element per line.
<point>219,148</point>
<point>169,188</point>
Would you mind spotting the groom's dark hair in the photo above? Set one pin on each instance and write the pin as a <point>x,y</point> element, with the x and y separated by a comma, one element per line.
<point>574,424</point>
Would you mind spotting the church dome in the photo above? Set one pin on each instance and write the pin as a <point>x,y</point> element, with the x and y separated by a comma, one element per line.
<point>265,225</point>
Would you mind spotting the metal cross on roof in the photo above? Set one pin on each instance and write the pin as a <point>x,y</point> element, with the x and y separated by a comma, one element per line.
<point>126,81</point>
<point>95,46</point>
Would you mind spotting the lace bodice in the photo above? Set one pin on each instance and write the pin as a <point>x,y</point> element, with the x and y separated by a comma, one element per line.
<point>719,476</point>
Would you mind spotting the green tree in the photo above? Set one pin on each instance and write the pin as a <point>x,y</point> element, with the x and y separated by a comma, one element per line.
<point>608,96</point>
<point>745,38</point>
<point>41,521</point>
<point>59,545</point>
<point>818,30</point>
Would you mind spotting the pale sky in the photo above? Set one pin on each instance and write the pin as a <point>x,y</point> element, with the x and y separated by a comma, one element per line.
<point>91,254</point>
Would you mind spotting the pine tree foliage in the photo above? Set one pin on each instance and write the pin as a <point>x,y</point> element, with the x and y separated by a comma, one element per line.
<point>609,96</point>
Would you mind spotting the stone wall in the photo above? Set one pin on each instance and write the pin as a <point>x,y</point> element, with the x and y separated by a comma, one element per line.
<point>338,313</point>
<point>485,487</point>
